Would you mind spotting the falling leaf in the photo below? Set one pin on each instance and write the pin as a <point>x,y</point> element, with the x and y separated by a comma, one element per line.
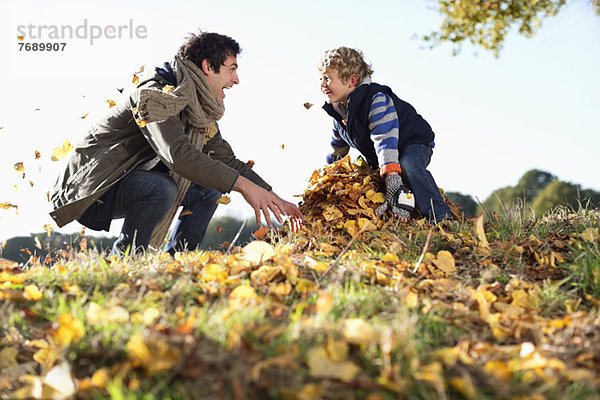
<point>37,155</point>
<point>48,228</point>
<point>20,167</point>
<point>250,163</point>
<point>111,103</point>
<point>21,37</point>
<point>185,212</point>
<point>141,69</point>
<point>6,206</point>
<point>136,79</point>
<point>219,229</point>
<point>261,233</point>
<point>61,152</point>
<point>140,123</point>
<point>84,115</point>
<point>308,105</point>
<point>224,200</point>
<point>283,147</point>
<point>168,88</point>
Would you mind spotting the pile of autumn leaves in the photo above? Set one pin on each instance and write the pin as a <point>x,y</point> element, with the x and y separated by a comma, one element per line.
<point>290,282</point>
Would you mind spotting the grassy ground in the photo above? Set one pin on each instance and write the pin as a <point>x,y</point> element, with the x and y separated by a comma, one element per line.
<point>489,308</point>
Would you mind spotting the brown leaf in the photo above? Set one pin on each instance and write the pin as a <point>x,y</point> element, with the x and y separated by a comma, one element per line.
<point>308,105</point>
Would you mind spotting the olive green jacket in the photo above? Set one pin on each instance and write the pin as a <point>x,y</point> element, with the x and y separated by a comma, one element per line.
<point>116,145</point>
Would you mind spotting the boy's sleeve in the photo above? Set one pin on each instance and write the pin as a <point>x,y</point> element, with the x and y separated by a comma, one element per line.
<point>339,146</point>
<point>384,128</point>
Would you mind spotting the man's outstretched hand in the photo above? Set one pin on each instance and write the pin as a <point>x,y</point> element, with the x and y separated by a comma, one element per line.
<point>262,201</point>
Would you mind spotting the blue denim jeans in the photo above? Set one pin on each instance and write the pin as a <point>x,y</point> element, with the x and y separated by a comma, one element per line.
<point>144,197</point>
<point>414,161</point>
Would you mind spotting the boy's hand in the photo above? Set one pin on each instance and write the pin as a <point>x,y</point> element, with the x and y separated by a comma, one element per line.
<point>394,187</point>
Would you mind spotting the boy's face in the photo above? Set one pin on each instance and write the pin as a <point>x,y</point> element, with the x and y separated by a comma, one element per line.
<point>333,87</point>
<point>224,79</point>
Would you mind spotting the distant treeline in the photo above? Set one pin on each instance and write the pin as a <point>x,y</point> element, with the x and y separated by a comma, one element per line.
<point>220,232</point>
<point>536,193</point>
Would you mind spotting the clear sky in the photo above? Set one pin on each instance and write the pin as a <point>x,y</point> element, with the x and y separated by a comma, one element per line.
<point>537,106</point>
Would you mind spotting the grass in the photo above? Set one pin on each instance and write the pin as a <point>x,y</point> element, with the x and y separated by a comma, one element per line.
<point>518,318</point>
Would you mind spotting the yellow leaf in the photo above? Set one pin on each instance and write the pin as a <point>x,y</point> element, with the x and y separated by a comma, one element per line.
<point>32,292</point>
<point>214,272</point>
<point>47,356</point>
<point>20,167</point>
<point>375,197</point>
<point>150,314</point>
<point>305,286</point>
<point>140,123</point>
<point>498,369</point>
<point>111,103</point>
<point>135,80</point>
<point>168,88</point>
<point>8,357</point>
<point>12,278</point>
<point>337,349</point>
<point>264,274</point>
<point>21,37</point>
<point>351,227</point>
<point>359,331</point>
<point>153,354</point>
<point>432,373</point>
<point>365,223</point>
<point>464,386</point>
<point>331,213</point>
<point>84,115</point>
<point>224,200</point>
<point>243,295</point>
<point>70,330</point>
<point>258,251</point>
<point>590,235</point>
<point>445,261</point>
<point>321,366</point>
<point>390,257</point>
<point>100,378</point>
<point>6,206</point>
<point>521,298</point>
<point>61,152</point>
<point>479,230</point>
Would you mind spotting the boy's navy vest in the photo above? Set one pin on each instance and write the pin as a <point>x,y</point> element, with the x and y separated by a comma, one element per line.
<point>355,131</point>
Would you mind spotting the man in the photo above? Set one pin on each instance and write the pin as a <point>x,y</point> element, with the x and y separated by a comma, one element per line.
<point>161,148</point>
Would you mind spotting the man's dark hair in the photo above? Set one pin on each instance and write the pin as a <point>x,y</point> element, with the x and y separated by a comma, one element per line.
<point>210,46</point>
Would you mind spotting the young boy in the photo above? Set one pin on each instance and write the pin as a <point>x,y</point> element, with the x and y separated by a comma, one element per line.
<point>385,129</point>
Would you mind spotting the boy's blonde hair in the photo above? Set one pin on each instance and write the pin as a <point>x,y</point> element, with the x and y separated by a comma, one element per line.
<point>346,61</point>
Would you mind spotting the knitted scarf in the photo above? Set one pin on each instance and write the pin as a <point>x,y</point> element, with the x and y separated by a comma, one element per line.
<point>201,110</point>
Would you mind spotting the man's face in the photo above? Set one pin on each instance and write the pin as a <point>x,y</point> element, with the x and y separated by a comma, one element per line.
<point>224,79</point>
<point>333,87</point>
